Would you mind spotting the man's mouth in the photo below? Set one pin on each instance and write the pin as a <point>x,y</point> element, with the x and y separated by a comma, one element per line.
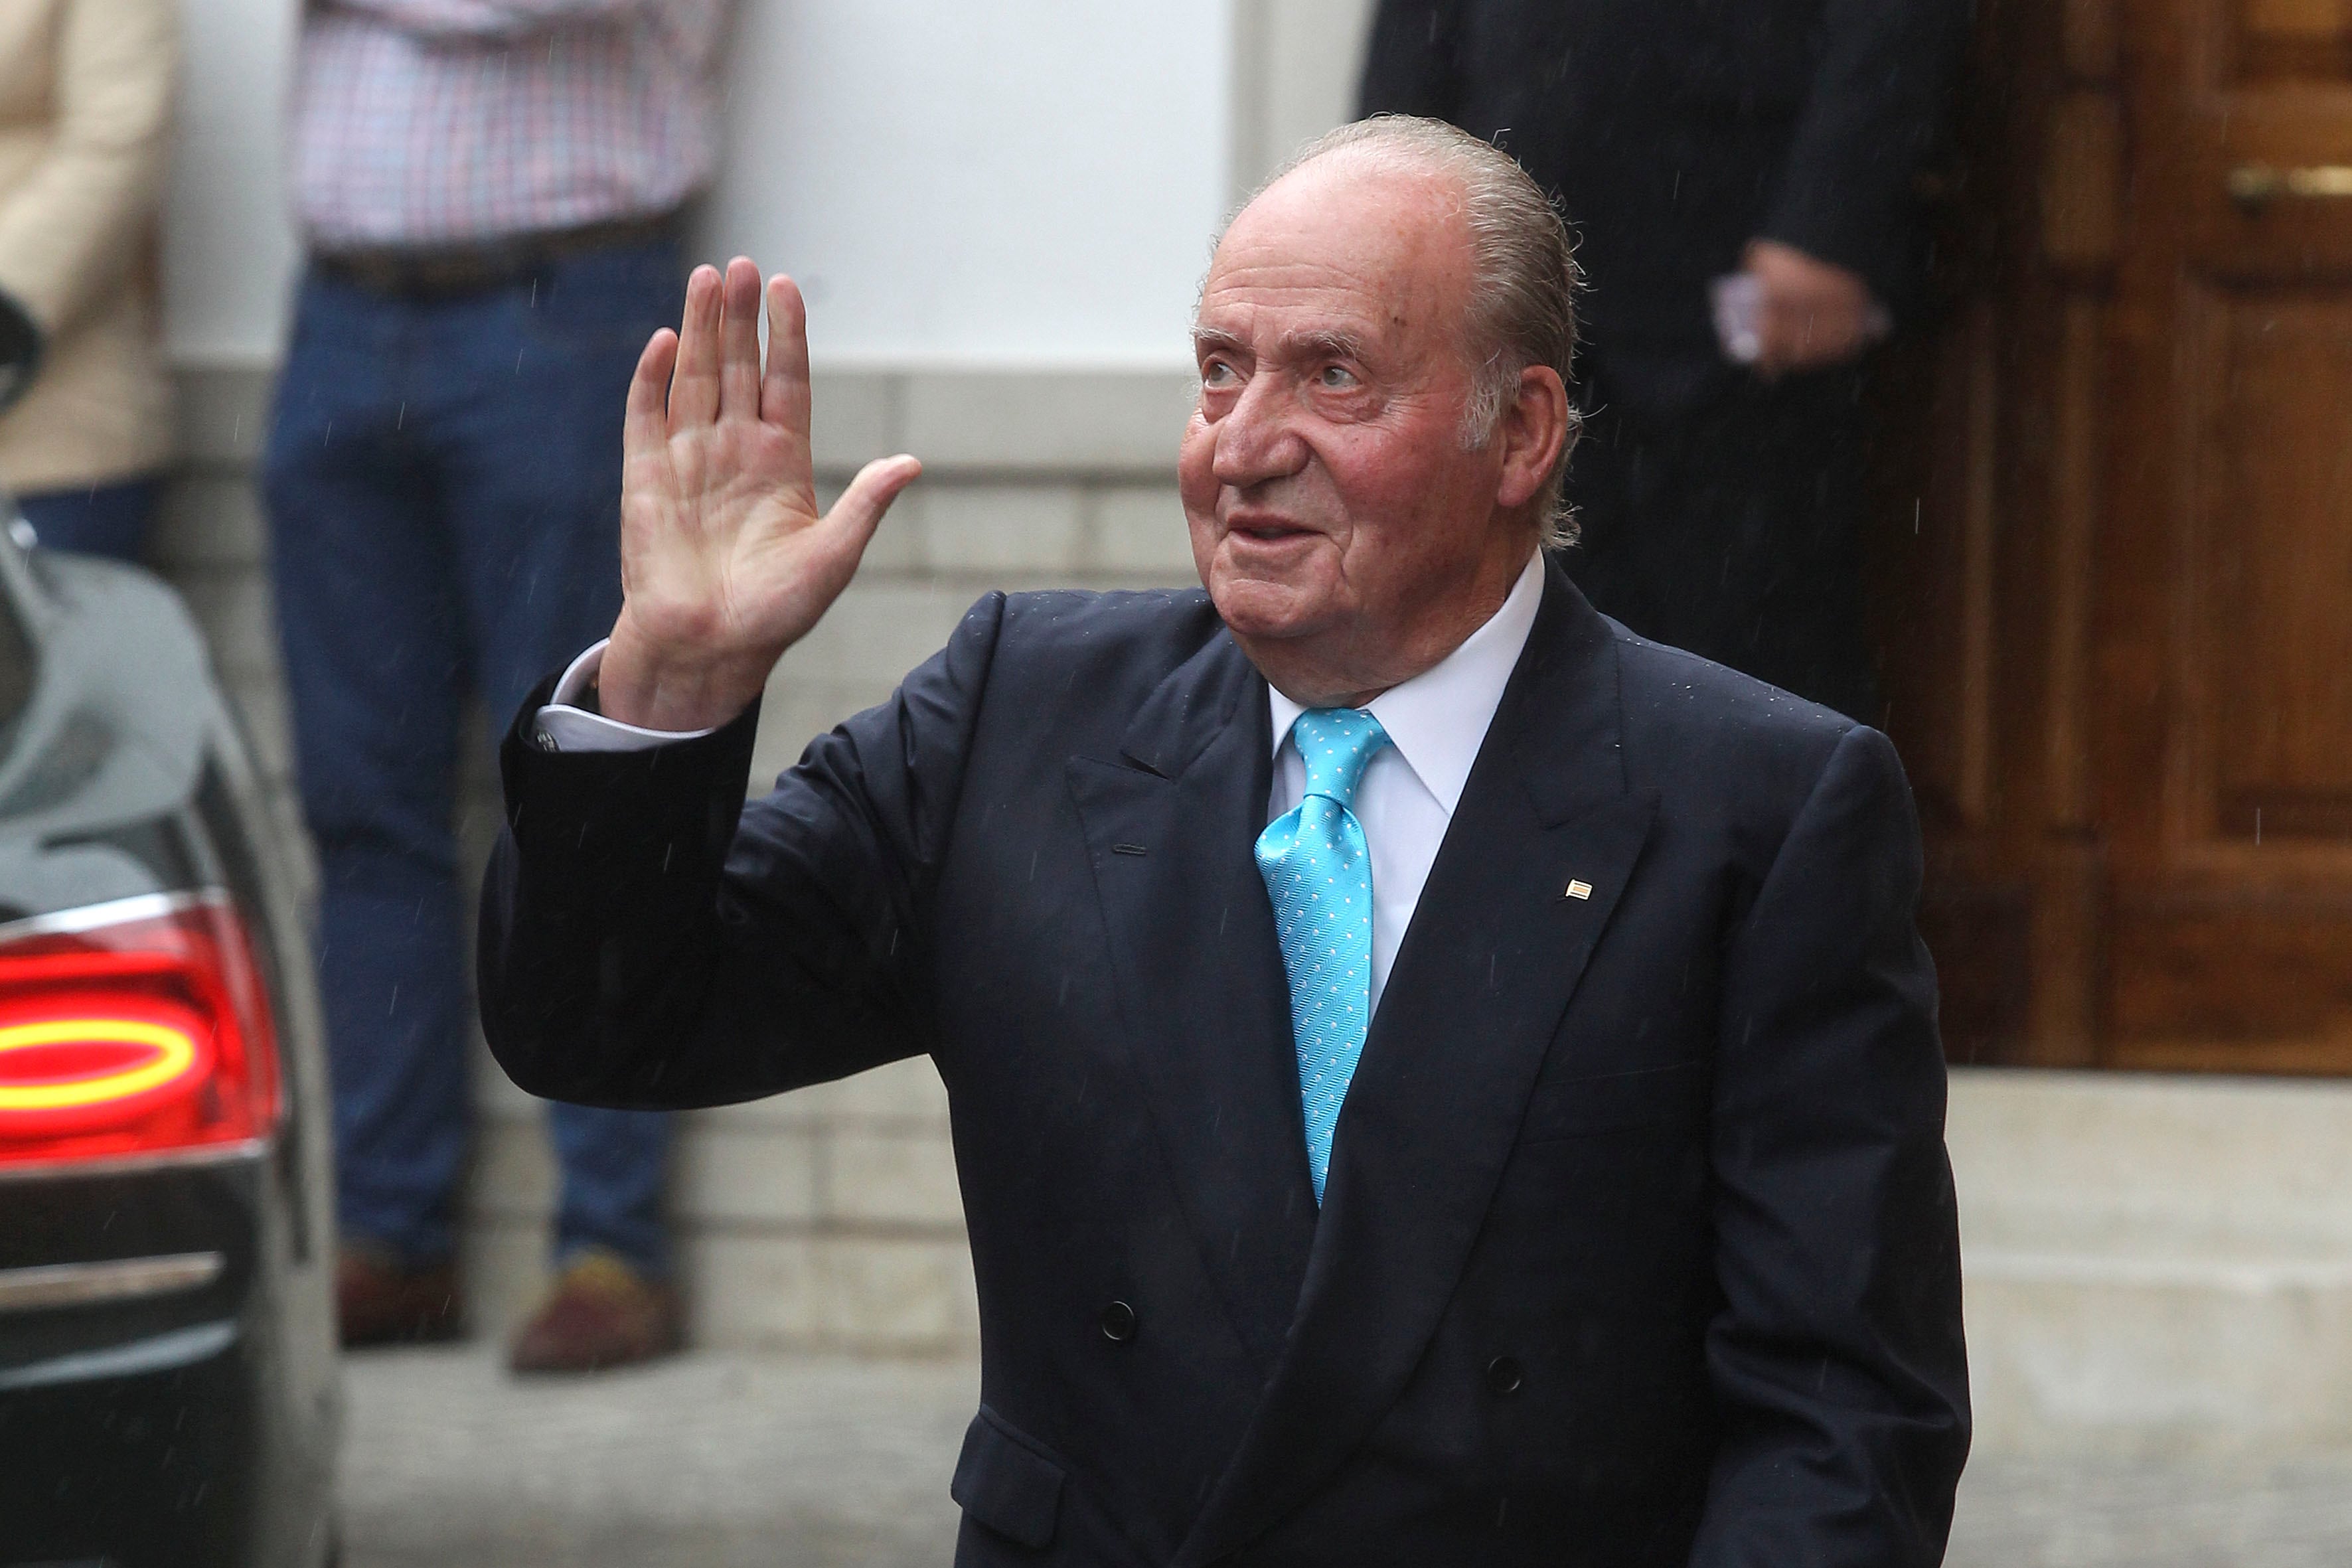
<point>1267,531</point>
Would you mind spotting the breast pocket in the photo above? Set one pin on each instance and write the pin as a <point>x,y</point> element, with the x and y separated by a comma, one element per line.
<point>1675,1094</point>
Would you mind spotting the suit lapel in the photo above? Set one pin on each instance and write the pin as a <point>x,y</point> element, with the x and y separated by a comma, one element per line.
<point>1495,948</point>
<point>1206,1008</point>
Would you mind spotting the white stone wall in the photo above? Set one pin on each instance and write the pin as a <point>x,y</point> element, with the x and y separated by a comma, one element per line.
<point>1028,180</point>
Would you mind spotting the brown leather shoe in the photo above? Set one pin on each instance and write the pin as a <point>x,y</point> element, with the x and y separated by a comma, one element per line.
<point>379,1301</point>
<point>602,1313</point>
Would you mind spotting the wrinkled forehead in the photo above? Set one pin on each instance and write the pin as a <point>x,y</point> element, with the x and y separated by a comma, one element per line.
<point>1374,246</point>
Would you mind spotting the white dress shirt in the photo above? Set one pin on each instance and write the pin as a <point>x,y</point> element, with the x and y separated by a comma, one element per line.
<point>564,726</point>
<point>1435,722</point>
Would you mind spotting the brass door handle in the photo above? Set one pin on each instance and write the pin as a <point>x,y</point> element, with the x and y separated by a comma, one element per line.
<point>2254,186</point>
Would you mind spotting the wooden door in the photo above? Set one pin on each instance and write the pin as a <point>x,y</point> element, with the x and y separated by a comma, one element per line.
<point>2116,553</point>
<point>2224,636</point>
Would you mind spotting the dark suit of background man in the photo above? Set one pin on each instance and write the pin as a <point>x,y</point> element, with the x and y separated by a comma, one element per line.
<point>1690,140</point>
<point>1633,1243</point>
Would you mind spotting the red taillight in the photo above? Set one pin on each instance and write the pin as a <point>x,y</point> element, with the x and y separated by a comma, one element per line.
<point>134,1029</point>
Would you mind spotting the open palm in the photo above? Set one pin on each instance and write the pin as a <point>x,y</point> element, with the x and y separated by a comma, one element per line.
<point>725,561</point>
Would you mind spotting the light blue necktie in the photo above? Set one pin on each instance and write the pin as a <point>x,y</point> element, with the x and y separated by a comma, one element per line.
<point>1319,874</point>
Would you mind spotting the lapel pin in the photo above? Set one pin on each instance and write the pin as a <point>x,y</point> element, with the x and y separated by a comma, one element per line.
<point>1580,891</point>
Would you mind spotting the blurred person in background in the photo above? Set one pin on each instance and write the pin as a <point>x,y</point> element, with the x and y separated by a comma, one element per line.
<point>86,93</point>
<point>1743,175</point>
<point>490,192</point>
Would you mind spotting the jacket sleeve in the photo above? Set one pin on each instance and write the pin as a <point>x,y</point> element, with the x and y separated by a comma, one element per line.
<point>1409,63</point>
<point>1874,113</point>
<point>72,229</point>
<point>648,941</point>
<point>1837,1357</point>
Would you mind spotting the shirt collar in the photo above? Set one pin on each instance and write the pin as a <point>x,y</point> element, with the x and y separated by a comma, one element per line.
<point>1438,720</point>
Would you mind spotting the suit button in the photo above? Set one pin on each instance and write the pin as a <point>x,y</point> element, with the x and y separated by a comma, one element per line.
<point>1504,1375</point>
<point>1119,1322</point>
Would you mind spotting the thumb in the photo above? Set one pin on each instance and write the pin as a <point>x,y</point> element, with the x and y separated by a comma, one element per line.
<point>859,511</point>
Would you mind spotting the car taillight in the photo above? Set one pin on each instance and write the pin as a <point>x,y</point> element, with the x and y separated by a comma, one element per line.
<point>140,1028</point>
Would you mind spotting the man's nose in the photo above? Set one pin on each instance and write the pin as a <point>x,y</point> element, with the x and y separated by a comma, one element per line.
<point>1258,439</point>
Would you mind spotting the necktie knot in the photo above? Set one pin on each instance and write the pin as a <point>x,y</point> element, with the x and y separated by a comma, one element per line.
<point>1336,743</point>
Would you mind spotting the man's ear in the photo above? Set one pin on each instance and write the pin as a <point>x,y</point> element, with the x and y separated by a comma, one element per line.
<point>1533,430</point>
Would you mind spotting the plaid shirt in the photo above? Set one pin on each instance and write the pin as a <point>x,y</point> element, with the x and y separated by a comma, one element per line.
<point>437,122</point>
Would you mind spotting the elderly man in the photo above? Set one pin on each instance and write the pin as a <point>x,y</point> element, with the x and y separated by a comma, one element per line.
<point>1437,1079</point>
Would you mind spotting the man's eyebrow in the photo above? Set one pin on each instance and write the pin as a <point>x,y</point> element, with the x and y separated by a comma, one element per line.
<point>1325,342</point>
<point>1322,343</point>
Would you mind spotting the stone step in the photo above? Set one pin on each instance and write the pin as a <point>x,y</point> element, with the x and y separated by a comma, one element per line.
<point>2154,1263</point>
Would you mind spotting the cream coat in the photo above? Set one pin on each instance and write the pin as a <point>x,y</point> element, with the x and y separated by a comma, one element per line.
<point>86,91</point>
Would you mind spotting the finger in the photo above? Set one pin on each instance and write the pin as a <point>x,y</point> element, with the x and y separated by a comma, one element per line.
<point>859,511</point>
<point>694,386</point>
<point>646,425</point>
<point>738,374</point>
<point>785,391</point>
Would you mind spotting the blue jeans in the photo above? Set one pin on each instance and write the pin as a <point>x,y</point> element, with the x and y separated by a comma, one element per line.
<point>442,480</point>
<point>94,520</point>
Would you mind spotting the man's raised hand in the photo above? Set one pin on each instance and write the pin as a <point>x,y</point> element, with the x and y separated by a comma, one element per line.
<point>725,562</point>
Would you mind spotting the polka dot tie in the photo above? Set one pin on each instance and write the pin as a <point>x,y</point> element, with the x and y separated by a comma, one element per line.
<point>1319,874</point>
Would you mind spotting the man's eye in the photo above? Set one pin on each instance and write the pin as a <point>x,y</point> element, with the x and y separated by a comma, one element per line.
<point>1337,377</point>
<point>1216,372</point>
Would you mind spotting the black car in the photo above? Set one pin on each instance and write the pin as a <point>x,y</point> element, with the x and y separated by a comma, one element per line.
<point>168,1388</point>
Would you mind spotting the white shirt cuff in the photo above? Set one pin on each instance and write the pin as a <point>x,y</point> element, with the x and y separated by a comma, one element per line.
<point>562,725</point>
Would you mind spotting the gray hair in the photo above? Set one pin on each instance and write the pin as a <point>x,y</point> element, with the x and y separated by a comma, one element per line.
<point>1523,279</point>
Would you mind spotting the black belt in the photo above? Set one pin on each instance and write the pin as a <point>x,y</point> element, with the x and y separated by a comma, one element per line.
<point>442,271</point>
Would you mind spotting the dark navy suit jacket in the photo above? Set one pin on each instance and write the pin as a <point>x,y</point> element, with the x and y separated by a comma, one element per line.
<point>1639,1243</point>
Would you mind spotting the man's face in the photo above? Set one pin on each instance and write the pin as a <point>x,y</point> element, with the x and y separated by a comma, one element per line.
<point>1345,530</point>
